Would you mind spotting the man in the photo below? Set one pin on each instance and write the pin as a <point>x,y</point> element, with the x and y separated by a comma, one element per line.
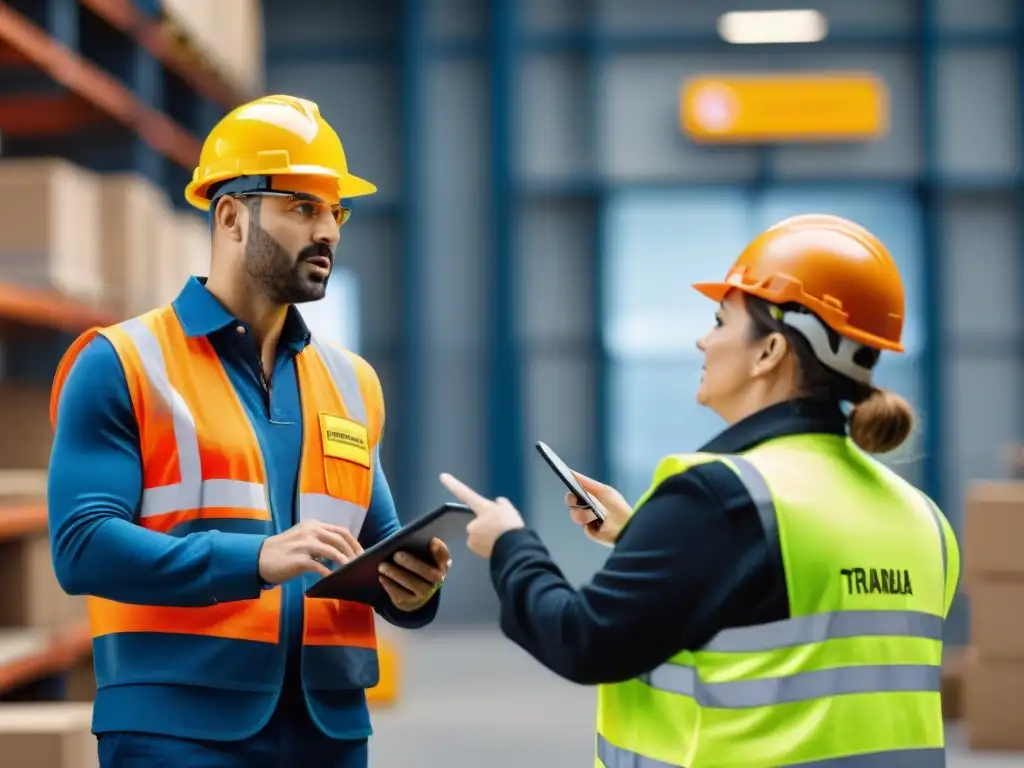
<point>211,459</point>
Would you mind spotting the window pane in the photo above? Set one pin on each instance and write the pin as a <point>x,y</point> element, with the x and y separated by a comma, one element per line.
<point>659,244</point>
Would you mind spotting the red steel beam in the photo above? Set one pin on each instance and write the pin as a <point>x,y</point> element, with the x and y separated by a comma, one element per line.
<point>44,115</point>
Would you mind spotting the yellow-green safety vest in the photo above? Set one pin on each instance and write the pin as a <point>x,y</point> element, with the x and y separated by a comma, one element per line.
<point>852,677</point>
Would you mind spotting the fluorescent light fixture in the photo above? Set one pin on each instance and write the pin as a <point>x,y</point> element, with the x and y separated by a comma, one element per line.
<point>759,27</point>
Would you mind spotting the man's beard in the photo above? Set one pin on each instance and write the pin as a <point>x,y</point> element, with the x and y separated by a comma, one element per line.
<point>274,273</point>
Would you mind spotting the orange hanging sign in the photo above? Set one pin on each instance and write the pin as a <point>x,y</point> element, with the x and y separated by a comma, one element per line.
<point>803,107</point>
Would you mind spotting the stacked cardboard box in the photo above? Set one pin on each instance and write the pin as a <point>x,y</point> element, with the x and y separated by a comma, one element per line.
<point>50,227</point>
<point>135,214</point>
<point>994,581</point>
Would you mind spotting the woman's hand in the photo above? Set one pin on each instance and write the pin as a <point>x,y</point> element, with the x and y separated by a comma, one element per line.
<point>616,509</point>
<point>493,518</point>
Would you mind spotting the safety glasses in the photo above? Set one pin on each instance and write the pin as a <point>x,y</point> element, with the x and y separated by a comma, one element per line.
<point>316,206</point>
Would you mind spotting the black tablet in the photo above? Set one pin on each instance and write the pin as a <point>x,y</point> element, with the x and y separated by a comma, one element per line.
<point>358,580</point>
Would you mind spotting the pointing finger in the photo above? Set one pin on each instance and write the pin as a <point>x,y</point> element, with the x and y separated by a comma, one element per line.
<point>464,493</point>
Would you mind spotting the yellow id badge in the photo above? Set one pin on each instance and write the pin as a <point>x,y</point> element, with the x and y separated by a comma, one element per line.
<point>345,439</point>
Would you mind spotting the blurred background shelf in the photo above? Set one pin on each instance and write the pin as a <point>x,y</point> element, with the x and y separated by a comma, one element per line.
<point>47,309</point>
<point>91,96</point>
<point>27,656</point>
<point>117,86</point>
<point>163,38</point>
<point>103,107</point>
<point>19,522</point>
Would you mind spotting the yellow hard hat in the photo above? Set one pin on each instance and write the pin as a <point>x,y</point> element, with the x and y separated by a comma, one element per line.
<point>272,136</point>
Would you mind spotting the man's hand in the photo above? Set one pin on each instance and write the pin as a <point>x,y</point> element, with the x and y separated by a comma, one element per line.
<point>300,549</point>
<point>410,582</point>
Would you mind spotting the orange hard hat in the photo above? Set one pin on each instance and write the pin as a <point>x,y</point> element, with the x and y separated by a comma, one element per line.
<point>835,268</point>
<point>273,136</point>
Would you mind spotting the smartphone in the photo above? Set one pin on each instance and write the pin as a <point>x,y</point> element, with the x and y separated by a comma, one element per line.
<point>562,470</point>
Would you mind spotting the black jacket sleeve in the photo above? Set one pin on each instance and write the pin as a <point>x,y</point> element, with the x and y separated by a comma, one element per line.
<point>692,561</point>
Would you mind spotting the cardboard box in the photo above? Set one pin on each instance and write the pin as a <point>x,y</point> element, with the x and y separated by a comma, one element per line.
<point>993,531</point>
<point>32,597</point>
<point>240,54</point>
<point>134,212</point>
<point>47,735</point>
<point>997,619</point>
<point>49,227</point>
<point>993,717</point>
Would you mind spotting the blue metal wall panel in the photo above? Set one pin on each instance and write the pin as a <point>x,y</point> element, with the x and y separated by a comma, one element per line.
<point>505,437</point>
<point>932,368</point>
<point>413,345</point>
<point>602,357</point>
<point>1020,184</point>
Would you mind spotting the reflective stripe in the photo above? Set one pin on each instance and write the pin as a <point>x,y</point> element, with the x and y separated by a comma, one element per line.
<point>803,686</point>
<point>192,492</point>
<point>233,494</point>
<point>612,756</point>
<point>616,757</point>
<point>346,379</point>
<point>896,758</point>
<point>819,627</point>
<point>318,506</point>
<point>937,518</point>
<point>761,495</point>
<point>187,494</point>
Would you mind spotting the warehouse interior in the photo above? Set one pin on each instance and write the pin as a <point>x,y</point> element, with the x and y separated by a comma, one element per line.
<point>546,197</point>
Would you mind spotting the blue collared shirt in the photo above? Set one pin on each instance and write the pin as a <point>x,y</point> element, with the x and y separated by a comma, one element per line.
<point>95,486</point>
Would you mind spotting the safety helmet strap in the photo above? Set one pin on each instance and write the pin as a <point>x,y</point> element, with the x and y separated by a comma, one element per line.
<point>842,359</point>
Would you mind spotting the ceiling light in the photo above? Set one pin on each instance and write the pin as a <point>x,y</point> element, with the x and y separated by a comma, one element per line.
<point>759,27</point>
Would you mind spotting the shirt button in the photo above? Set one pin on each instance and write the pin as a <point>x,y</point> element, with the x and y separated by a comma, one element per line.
<point>240,330</point>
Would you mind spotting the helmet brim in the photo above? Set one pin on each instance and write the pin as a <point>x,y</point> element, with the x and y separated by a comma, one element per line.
<point>714,291</point>
<point>718,291</point>
<point>349,185</point>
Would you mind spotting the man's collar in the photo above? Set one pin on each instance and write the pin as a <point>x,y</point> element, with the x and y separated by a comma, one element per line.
<point>201,314</point>
<point>792,417</point>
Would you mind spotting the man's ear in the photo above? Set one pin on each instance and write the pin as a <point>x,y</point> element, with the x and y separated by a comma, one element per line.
<point>773,351</point>
<point>229,217</point>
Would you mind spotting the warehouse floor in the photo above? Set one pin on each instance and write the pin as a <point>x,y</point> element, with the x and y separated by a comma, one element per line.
<point>473,700</point>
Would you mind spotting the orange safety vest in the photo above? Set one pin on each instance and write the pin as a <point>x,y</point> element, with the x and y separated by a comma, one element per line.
<point>201,460</point>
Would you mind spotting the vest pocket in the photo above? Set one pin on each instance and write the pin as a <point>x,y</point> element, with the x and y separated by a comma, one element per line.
<point>347,480</point>
<point>339,668</point>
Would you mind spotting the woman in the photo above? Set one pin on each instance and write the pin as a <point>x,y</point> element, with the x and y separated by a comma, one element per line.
<point>777,598</point>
